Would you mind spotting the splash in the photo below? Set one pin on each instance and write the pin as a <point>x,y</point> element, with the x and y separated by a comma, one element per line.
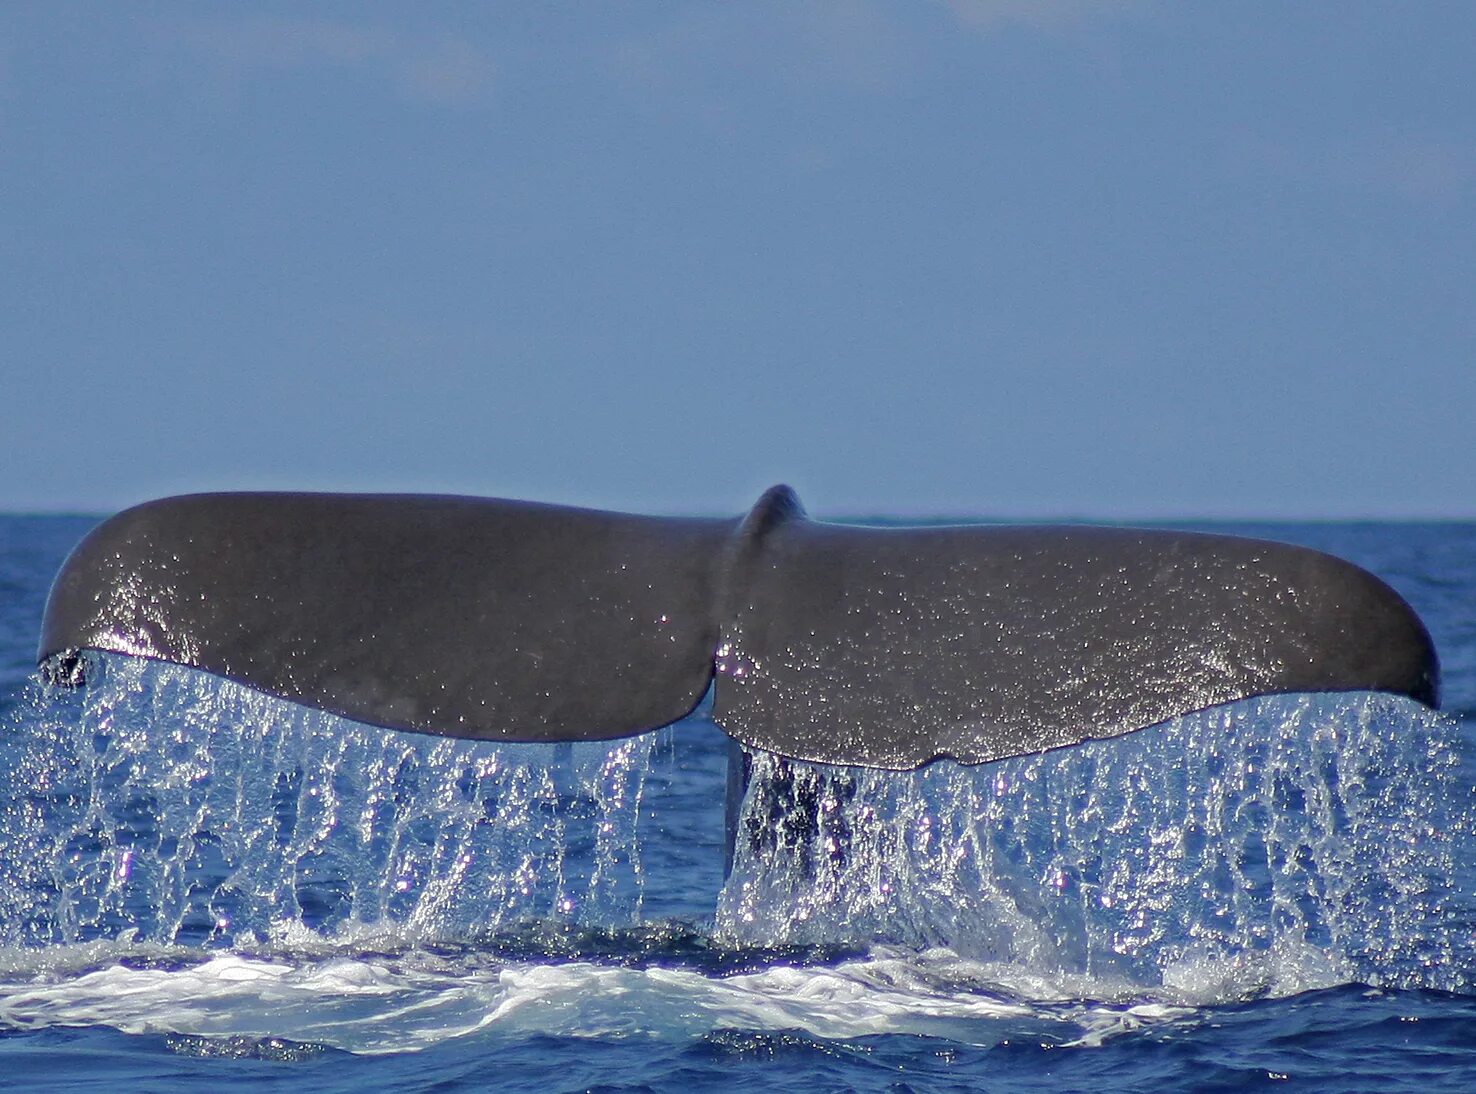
<point>230,1003</point>
<point>185,856</point>
<point>1269,846</point>
<point>172,807</point>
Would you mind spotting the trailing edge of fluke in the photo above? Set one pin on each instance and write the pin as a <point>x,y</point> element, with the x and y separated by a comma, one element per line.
<point>887,647</point>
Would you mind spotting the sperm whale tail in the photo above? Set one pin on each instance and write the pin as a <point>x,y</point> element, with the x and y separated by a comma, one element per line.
<point>887,647</point>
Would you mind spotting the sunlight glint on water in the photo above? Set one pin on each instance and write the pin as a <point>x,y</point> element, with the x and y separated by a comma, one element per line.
<point>101,794</point>
<point>279,872</point>
<point>193,810</point>
<point>1272,845</point>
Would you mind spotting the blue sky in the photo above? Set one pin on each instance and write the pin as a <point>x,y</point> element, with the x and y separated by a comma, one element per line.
<point>983,257</point>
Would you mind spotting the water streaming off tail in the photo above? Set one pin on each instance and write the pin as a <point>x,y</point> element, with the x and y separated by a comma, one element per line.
<point>1272,845</point>
<point>188,809</point>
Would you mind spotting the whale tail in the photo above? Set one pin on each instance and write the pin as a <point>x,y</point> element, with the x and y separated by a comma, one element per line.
<point>886,647</point>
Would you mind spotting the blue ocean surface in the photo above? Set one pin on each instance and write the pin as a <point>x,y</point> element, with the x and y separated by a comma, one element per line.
<point>200,885</point>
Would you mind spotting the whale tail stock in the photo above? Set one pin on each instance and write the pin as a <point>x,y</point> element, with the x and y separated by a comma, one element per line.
<point>885,647</point>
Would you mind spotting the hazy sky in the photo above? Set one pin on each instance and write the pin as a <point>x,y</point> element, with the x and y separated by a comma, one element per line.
<point>1012,257</point>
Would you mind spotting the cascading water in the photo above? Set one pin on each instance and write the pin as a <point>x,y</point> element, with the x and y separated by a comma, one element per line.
<point>182,855</point>
<point>1254,847</point>
<point>188,809</point>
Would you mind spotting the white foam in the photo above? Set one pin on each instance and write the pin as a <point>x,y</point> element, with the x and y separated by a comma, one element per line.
<point>419,999</point>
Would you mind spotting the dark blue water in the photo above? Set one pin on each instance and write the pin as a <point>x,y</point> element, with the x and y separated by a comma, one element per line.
<point>199,885</point>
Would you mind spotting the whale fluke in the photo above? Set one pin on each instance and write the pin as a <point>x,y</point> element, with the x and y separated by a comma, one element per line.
<point>467,617</point>
<point>887,647</point>
<point>893,646</point>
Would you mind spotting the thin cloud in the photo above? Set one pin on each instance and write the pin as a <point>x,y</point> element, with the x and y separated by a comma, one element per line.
<point>983,15</point>
<point>436,68</point>
<point>1421,169</point>
<point>859,45</point>
<point>854,44</point>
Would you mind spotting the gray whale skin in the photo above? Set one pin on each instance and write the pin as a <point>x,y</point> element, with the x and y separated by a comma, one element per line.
<point>886,647</point>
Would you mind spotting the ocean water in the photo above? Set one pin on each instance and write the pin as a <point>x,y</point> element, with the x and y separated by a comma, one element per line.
<point>200,885</point>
